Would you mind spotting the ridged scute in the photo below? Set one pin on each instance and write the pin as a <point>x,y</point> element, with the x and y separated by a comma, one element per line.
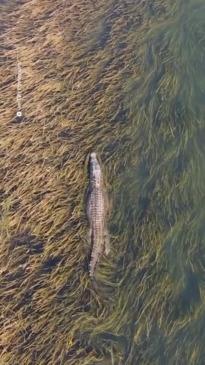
<point>96,212</point>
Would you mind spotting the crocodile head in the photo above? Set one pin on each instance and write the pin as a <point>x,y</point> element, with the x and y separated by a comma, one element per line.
<point>95,169</point>
<point>93,156</point>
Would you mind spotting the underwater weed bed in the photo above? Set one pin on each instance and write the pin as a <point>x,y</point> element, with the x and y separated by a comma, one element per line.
<point>120,78</point>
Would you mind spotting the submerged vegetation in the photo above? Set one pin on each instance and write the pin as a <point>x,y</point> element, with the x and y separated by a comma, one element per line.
<point>124,78</point>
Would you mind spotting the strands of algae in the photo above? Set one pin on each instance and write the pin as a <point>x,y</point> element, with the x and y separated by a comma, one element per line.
<point>115,77</point>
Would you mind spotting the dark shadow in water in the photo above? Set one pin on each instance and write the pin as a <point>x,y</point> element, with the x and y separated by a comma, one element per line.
<point>32,243</point>
<point>190,294</point>
<point>50,263</point>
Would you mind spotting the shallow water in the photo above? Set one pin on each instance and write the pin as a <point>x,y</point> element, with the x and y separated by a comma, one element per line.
<point>158,207</point>
<point>127,79</point>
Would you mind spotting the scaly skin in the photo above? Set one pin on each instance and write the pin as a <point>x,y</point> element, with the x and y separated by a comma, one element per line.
<point>96,212</point>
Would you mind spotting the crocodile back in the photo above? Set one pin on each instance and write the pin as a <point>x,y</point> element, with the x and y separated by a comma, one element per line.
<point>96,211</point>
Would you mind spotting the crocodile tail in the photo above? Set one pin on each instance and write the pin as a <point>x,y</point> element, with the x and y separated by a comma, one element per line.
<point>93,262</point>
<point>95,255</point>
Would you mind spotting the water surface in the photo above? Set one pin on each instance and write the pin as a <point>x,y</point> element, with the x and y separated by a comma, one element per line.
<point>127,79</point>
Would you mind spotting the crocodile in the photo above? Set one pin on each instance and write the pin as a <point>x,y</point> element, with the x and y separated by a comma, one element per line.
<point>97,208</point>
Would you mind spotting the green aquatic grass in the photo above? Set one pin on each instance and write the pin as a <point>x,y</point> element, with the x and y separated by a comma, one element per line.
<point>130,87</point>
